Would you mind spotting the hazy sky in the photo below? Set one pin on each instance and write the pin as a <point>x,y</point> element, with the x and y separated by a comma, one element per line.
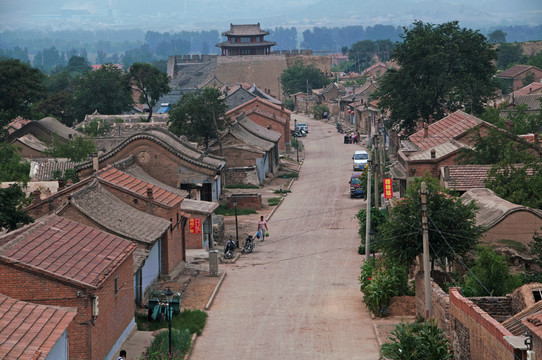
<point>175,15</point>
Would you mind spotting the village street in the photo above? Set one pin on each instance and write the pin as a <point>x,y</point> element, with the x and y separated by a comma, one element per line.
<point>297,295</point>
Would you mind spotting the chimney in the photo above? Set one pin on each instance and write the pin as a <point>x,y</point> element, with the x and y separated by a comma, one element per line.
<point>433,153</point>
<point>149,193</point>
<point>425,130</point>
<point>95,162</point>
<point>37,195</point>
<point>60,184</point>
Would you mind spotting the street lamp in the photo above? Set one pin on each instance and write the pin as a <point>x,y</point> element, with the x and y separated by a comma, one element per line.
<point>169,298</point>
<point>236,226</point>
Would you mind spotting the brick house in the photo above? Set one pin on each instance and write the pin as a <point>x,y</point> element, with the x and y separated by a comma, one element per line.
<point>30,147</point>
<point>168,159</point>
<point>375,71</point>
<point>503,219</point>
<point>33,331</point>
<point>95,206</point>
<point>267,115</point>
<point>237,95</point>
<point>59,262</point>
<point>249,146</point>
<point>517,73</point>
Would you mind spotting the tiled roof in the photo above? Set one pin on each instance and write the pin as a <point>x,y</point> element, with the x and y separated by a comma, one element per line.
<point>42,170</point>
<point>372,67</point>
<point>262,94</point>
<point>257,100</point>
<point>117,217</point>
<point>238,97</point>
<point>534,87</point>
<point>257,130</point>
<point>29,331</point>
<point>466,177</point>
<point>444,130</point>
<point>97,67</point>
<point>516,323</point>
<point>532,101</point>
<point>56,127</point>
<point>250,139</point>
<point>514,71</point>
<point>246,29</point>
<point>132,184</point>
<point>191,75</point>
<point>32,142</point>
<point>170,142</point>
<point>67,250</point>
<point>197,206</point>
<point>18,123</point>
<point>441,150</point>
<point>492,208</point>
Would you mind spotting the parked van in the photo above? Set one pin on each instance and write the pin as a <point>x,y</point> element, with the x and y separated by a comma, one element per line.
<point>360,160</point>
<point>355,185</point>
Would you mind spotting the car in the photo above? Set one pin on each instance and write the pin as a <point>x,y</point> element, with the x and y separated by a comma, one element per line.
<point>355,185</point>
<point>360,158</point>
<point>302,126</point>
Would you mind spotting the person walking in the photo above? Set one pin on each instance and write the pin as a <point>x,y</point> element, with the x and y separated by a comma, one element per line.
<point>122,355</point>
<point>262,227</point>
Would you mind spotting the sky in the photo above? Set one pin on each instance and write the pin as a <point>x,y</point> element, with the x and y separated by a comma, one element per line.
<point>196,15</point>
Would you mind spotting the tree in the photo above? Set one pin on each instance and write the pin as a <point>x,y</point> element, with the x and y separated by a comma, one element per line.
<point>12,213</point>
<point>452,225</point>
<point>11,166</point>
<point>96,127</point>
<point>78,64</point>
<point>497,37</point>
<point>20,87</point>
<point>58,105</point>
<point>442,68</point>
<point>508,54</point>
<point>199,115</point>
<point>528,79</point>
<point>105,90</point>
<point>76,150</point>
<point>299,77</point>
<point>151,82</point>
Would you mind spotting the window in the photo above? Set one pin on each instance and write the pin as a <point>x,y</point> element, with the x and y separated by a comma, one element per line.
<point>537,293</point>
<point>246,39</point>
<point>116,285</point>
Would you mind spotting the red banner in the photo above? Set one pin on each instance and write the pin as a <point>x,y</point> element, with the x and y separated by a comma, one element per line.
<point>388,189</point>
<point>195,226</point>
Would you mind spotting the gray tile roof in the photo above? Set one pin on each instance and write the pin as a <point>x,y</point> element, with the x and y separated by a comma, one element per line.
<point>42,170</point>
<point>197,206</point>
<point>262,94</point>
<point>33,142</point>
<point>106,209</point>
<point>191,75</point>
<point>56,127</point>
<point>238,97</point>
<point>258,130</point>
<point>242,134</point>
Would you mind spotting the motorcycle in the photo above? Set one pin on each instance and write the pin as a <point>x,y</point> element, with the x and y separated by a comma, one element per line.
<point>229,249</point>
<point>249,244</point>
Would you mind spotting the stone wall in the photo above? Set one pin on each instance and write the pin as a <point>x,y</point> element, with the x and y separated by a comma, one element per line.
<point>241,176</point>
<point>441,303</point>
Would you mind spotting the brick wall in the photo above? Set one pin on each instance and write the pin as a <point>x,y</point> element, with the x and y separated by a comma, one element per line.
<point>114,316</point>
<point>194,241</point>
<point>440,301</point>
<point>243,175</point>
<point>498,307</point>
<point>245,201</point>
<point>474,334</point>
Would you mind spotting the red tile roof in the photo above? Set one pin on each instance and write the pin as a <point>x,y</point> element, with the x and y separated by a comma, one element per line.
<point>444,130</point>
<point>466,177</point>
<point>514,71</point>
<point>259,100</point>
<point>18,123</point>
<point>67,250</point>
<point>131,183</point>
<point>29,331</point>
<point>529,89</point>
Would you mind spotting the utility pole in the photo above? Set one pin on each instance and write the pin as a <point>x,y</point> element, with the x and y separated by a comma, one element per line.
<point>376,175</point>
<point>368,218</point>
<point>426,269</point>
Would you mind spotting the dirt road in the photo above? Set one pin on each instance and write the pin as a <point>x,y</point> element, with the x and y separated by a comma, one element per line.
<point>297,296</point>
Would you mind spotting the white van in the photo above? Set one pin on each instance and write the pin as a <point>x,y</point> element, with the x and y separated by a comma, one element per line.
<point>360,160</point>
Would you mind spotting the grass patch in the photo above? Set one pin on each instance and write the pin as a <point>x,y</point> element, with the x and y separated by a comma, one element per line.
<point>273,201</point>
<point>279,191</point>
<point>242,186</point>
<point>221,210</point>
<point>516,245</point>
<point>193,320</point>
<point>290,175</point>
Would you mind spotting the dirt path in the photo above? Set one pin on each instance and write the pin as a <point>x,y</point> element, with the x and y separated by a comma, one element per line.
<point>297,295</point>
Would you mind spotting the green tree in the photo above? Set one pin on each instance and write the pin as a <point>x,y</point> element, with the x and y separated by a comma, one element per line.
<point>508,54</point>
<point>105,90</point>
<point>299,77</point>
<point>96,127</point>
<point>452,225</point>
<point>151,82</point>
<point>442,68</point>
<point>12,168</point>
<point>528,79</point>
<point>497,37</point>
<point>199,115</point>
<point>536,247</point>
<point>58,105</point>
<point>490,275</point>
<point>77,149</point>
<point>78,64</point>
<point>20,87</point>
<point>12,213</point>
<point>535,60</point>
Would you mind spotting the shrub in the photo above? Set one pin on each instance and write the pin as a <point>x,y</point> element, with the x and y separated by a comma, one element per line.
<point>282,191</point>
<point>159,348</point>
<point>274,201</point>
<point>318,111</point>
<point>417,341</point>
<point>221,210</point>
<point>289,104</point>
<point>242,186</point>
<point>290,175</point>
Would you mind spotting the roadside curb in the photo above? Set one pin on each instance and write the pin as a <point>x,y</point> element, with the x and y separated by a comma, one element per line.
<point>376,332</point>
<point>215,291</point>
<point>189,353</point>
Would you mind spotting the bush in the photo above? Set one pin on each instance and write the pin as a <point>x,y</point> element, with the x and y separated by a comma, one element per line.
<point>274,201</point>
<point>289,104</point>
<point>490,275</point>
<point>417,341</point>
<point>221,210</point>
<point>318,111</point>
<point>159,348</point>
<point>242,186</point>
<point>290,175</point>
